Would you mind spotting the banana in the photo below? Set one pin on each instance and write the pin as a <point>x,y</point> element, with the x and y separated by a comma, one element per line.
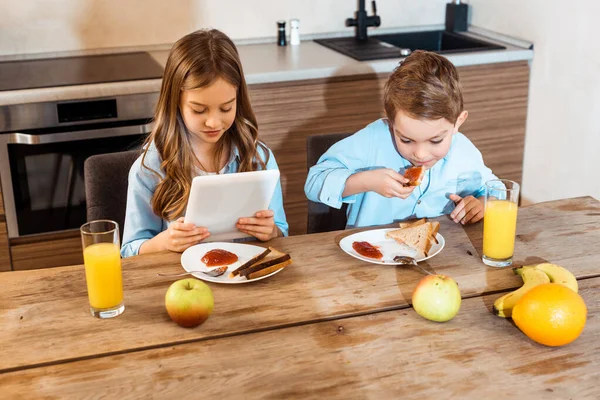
<point>558,274</point>
<point>531,277</point>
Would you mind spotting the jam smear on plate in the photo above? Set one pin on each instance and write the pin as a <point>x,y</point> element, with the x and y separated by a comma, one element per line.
<point>217,257</point>
<point>366,249</point>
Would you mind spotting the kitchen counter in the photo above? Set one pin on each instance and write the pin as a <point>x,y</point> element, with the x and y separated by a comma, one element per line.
<point>269,63</point>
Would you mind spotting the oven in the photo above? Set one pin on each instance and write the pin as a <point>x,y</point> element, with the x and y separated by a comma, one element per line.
<point>42,150</point>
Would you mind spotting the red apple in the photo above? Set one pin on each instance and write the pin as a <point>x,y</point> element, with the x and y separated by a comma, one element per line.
<point>189,302</point>
<point>436,298</point>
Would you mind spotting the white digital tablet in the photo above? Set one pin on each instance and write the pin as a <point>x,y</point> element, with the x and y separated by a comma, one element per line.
<point>218,201</point>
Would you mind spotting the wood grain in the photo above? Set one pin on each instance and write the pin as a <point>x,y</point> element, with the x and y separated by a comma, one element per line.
<point>4,248</point>
<point>393,354</point>
<point>496,123</point>
<point>322,282</point>
<point>495,96</point>
<point>2,212</point>
<point>5,264</point>
<point>50,250</point>
<point>46,311</point>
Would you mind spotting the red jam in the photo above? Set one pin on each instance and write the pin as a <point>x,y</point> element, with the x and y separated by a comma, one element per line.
<point>366,249</point>
<point>217,257</point>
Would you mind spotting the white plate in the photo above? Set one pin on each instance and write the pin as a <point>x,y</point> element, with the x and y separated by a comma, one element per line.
<point>388,247</point>
<point>191,260</point>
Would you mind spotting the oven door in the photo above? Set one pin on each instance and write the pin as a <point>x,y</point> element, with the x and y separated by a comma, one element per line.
<point>42,174</point>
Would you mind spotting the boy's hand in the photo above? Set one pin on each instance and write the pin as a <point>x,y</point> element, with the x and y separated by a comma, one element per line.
<point>179,235</point>
<point>261,226</point>
<point>468,210</point>
<point>387,183</point>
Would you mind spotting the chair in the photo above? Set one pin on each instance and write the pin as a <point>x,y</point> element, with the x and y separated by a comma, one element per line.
<point>322,218</point>
<point>106,180</point>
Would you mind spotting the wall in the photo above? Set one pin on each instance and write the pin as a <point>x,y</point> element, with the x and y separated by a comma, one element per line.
<point>563,126</point>
<point>64,25</point>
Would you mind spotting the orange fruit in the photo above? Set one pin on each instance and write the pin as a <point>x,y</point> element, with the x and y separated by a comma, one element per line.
<point>550,314</point>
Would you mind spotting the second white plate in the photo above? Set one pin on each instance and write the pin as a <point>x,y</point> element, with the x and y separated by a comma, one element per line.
<point>388,247</point>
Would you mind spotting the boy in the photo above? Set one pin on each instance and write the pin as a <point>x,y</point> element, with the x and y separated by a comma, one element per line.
<point>424,108</point>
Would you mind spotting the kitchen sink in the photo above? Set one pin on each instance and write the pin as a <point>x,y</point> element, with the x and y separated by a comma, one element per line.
<point>397,45</point>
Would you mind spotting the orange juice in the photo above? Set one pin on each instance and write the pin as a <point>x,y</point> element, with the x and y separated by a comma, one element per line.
<point>103,275</point>
<point>499,228</point>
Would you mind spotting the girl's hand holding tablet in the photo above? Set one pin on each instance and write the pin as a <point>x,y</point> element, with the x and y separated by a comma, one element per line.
<point>180,235</point>
<point>261,226</point>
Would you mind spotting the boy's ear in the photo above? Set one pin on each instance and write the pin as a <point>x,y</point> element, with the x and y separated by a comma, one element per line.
<point>460,120</point>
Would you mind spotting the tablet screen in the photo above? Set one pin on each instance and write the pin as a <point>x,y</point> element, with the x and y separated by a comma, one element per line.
<point>218,201</point>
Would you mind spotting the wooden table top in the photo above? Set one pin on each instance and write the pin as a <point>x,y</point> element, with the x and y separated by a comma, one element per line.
<point>287,328</point>
<point>392,354</point>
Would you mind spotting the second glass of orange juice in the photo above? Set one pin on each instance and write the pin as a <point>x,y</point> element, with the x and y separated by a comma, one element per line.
<point>500,222</point>
<point>102,259</point>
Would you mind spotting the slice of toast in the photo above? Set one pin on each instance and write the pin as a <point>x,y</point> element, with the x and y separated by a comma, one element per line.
<point>435,225</point>
<point>272,262</point>
<point>406,224</point>
<point>418,237</point>
<point>435,229</point>
<point>250,262</point>
<point>414,175</point>
<point>268,270</point>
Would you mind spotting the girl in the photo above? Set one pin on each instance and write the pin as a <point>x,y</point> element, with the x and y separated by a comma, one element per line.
<point>203,124</point>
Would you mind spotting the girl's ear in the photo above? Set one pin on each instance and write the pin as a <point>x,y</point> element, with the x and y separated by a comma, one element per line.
<point>460,120</point>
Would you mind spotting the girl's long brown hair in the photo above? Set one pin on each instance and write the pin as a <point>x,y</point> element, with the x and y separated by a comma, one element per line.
<point>196,61</point>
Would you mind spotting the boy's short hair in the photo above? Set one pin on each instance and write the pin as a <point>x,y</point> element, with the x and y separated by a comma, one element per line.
<point>425,86</point>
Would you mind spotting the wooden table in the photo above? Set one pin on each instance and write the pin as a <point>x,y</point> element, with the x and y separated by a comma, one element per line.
<point>327,326</point>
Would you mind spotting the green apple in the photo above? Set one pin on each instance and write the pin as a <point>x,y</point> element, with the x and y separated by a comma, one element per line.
<point>189,302</point>
<point>436,298</point>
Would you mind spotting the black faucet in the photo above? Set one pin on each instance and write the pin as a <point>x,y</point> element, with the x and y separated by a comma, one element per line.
<point>362,22</point>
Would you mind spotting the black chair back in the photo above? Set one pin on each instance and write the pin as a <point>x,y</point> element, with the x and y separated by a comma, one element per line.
<point>322,218</point>
<point>106,180</point>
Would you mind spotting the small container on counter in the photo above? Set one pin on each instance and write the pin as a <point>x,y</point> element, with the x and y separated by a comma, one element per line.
<point>294,32</point>
<point>281,41</point>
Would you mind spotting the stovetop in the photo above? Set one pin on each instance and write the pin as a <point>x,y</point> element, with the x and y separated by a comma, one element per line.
<point>81,70</point>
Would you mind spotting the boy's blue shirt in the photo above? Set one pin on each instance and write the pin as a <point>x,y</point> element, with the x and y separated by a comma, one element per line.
<point>141,223</point>
<point>462,172</point>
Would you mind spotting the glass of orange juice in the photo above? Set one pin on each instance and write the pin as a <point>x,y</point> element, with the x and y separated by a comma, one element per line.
<point>500,222</point>
<point>102,259</point>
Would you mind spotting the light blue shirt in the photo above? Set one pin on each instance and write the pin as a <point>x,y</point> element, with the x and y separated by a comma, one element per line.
<point>462,172</point>
<point>141,223</point>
